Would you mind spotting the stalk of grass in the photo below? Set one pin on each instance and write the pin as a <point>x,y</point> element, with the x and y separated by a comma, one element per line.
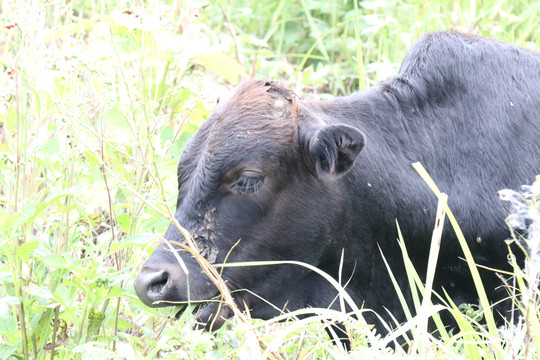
<point>275,23</point>
<point>484,302</point>
<point>307,317</point>
<point>430,273</point>
<point>416,287</point>
<point>470,335</point>
<point>308,55</point>
<point>414,281</point>
<point>525,215</point>
<point>341,291</point>
<point>19,196</point>
<point>315,31</point>
<point>55,330</point>
<point>113,220</point>
<point>401,297</point>
<point>359,50</point>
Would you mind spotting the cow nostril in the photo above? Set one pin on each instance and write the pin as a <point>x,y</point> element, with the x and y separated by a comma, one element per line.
<point>158,283</point>
<point>153,286</point>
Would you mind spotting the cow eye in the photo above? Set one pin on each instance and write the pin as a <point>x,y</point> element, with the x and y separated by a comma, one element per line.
<point>248,183</point>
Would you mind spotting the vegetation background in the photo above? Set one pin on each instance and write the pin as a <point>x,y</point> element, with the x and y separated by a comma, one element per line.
<point>97,99</point>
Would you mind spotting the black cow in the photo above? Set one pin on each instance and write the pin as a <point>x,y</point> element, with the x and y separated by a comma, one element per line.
<point>286,179</point>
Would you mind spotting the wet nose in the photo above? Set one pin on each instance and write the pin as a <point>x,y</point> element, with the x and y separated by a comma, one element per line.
<point>153,286</point>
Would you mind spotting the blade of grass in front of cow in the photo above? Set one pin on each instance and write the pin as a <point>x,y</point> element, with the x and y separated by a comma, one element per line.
<point>473,344</point>
<point>214,276</point>
<point>412,276</point>
<point>410,326</point>
<point>341,291</point>
<point>303,318</point>
<point>484,302</point>
<point>209,270</point>
<point>528,305</point>
<point>535,327</point>
<point>327,277</point>
<point>399,292</point>
<point>319,315</point>
<point>421,338</point>
<point>340,298</point>
<point>415,283</point>
<point>288,328</point>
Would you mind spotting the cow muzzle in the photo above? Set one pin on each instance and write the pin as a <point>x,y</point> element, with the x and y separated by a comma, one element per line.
<point>156,287</point>
<point>172,277</point>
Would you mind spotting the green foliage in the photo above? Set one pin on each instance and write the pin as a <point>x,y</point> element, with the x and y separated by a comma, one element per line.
<point>97,100</point>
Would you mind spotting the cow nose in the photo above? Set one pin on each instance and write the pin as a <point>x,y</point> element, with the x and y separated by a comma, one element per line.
<point>152,285</point>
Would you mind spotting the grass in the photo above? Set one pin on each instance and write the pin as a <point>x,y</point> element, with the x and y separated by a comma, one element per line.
<point>96,102</point>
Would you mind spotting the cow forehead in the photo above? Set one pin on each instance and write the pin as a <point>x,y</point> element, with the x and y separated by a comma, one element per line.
<point>255,117</point>
<point>257,104</point>
<point>255,125</point>
<point>248,140</point>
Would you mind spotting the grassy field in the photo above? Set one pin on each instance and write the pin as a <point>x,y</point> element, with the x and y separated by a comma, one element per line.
<point>97,99</point>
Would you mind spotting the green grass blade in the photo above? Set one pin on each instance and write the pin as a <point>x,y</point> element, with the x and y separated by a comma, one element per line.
<point>484,302</point>
<point>399,293</point>
<point>315,31</point>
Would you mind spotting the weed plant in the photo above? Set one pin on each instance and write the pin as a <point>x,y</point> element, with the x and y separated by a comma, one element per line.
<point>97,99</point>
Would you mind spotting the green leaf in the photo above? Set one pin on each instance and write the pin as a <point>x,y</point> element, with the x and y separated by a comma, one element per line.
<point>27,211</point>
<point>120,198</point>
<point>7,220</point>
<point>6,276</point>
<point>63,192</point>
<point>116,120</point>
<point>122,324</point>
<point>11,119</point>
<point>92,159</point>
<point>38,291</point>
<point>115,291</point>
<point>8,300</point>
<point>8,325</point>
<point>65,294</point>
<point>37,102</point>
<point>24,251</point>
<point>54,261</point>
<point>166,135</point>
<point>124,221</point>
<point>6,351</point>
<point>31,211</point>
<point>223,65</point>
<point>134,240</point>
<point>52,147</point>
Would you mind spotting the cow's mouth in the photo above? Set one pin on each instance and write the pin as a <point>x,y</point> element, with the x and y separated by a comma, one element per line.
<point>209,315</point>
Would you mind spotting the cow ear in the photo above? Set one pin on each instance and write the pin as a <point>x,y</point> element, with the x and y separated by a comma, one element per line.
<point>333,149</point>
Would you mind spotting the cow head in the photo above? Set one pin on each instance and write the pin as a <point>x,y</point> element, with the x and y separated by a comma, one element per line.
<point>263,172</point>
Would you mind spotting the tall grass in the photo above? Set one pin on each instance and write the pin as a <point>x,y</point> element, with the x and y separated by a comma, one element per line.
<point>96,102</point>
